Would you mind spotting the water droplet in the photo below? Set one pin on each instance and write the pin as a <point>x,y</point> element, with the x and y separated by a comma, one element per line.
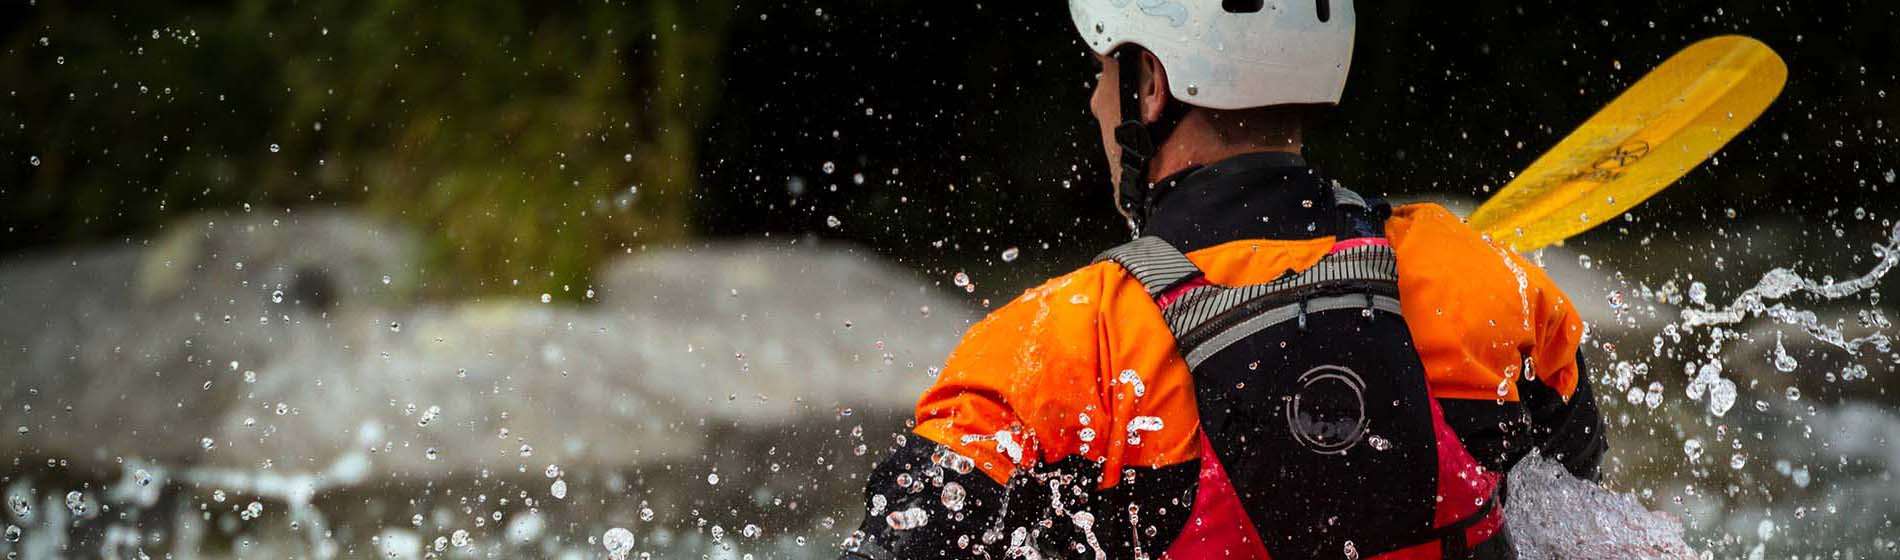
<point>1783,361</point>
<point>1142,424</point>
<point>395,327</point>
<point>1692,448</point>
<point>207,444</point>
<point>34,160</point>
<point>829,167</point>
<point>1737,461</point>
<point>430,454</point>
<point>961,280</point>
<point>908,519</point>
<point>460,538</point>
<point>558,489</point>
<point>275,148</point>
<point>712,478</point>
<point>547,298</point>
<point>618,542</point>
<point>1722,395</point>
<point>1133,380</point>
<point>13,533</point>
<point>1010,254</point>
<point>76,502</point>
<point>953,496</point>
<point>277,296</point>
<point>833,222</point>
<point>1794,393</point>
<point>1379,443</point>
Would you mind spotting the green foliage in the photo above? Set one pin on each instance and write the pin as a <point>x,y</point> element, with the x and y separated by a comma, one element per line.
<point>526,141</point>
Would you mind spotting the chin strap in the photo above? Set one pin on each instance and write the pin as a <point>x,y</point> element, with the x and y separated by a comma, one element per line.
<point>1134,196</point>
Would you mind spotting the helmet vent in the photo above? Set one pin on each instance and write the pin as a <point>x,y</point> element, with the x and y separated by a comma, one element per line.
<point>1245,6</point>
<point>1325,9</point>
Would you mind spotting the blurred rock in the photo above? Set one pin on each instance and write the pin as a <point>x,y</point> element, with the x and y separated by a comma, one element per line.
<point>128,351</point>
<point>250,341</point>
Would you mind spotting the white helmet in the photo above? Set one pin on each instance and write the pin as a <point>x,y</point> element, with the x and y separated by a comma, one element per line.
<point>1231,54</point>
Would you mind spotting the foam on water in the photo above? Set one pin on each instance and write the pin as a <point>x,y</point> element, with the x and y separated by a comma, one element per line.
<point>1555,515</point>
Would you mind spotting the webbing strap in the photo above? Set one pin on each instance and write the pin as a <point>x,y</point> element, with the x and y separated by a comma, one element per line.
<point>1155,263</point>
<point>1206,319</point>
<point>1217,341</point>
<point>1359,265</point>
<point>1345,197</point>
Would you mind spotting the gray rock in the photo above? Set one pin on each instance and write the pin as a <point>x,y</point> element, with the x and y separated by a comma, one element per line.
<point>189,347</point>
<point>132,351</point>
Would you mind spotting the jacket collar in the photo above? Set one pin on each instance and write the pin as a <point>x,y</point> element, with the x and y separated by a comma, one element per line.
<point>1267,195</point>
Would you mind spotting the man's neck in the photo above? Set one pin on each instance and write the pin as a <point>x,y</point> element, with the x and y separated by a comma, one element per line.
<point>1193,143</point>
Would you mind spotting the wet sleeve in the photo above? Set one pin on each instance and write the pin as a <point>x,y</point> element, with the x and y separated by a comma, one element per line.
<point>941,493</point>
<point>1565,423</point>
<point>1568,430</point>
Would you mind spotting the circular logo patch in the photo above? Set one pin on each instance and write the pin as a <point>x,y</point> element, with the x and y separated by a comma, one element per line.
<point>1327,413</point>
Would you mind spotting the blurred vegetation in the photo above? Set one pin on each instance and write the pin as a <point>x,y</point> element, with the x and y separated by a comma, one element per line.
<point>937,134</point>
<point>526,140</point>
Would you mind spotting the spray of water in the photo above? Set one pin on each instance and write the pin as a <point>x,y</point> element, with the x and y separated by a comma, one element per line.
<point>1782,283</point>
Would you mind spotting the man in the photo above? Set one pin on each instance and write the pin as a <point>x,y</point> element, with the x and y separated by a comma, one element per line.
<point>1278,367</point>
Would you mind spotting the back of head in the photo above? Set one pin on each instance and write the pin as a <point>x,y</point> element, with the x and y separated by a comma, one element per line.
<point>1234,54</point>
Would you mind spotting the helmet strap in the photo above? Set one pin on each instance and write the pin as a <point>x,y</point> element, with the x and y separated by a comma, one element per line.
<point>1139,142</point>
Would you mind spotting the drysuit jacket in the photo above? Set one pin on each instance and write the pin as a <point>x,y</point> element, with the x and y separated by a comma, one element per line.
<point>1030,439</point>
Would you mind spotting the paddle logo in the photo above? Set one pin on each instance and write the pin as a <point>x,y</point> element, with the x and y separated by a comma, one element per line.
<point>1613,164</point>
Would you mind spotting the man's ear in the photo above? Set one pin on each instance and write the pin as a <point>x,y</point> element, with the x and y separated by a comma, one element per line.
<point>1154,87</point>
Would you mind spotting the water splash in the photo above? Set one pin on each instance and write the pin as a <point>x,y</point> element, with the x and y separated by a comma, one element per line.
<point>1554,515</point>
<point>1781,283</point>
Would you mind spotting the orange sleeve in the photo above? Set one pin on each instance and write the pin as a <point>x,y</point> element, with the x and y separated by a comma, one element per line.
<point>1559,332</point>
<point>1015,375</point>
<point>1480,312</point>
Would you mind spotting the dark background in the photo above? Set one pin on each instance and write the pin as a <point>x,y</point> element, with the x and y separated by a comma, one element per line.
<point>503,129</point>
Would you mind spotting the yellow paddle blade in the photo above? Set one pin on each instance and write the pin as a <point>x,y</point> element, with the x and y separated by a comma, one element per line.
<point>1668,123</point>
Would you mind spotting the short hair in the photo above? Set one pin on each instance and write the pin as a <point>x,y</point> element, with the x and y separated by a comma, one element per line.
<point>1272,125</point>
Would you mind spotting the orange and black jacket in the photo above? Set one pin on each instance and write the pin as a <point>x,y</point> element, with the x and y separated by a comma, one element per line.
<point>1067,421</point>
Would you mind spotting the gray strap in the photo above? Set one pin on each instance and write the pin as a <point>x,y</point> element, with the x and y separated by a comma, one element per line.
<point>1155,263</point>
<point>1371,263</point>
<point>1282,314</point>
<point>1345,197</point>
<point>1159,267</point>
